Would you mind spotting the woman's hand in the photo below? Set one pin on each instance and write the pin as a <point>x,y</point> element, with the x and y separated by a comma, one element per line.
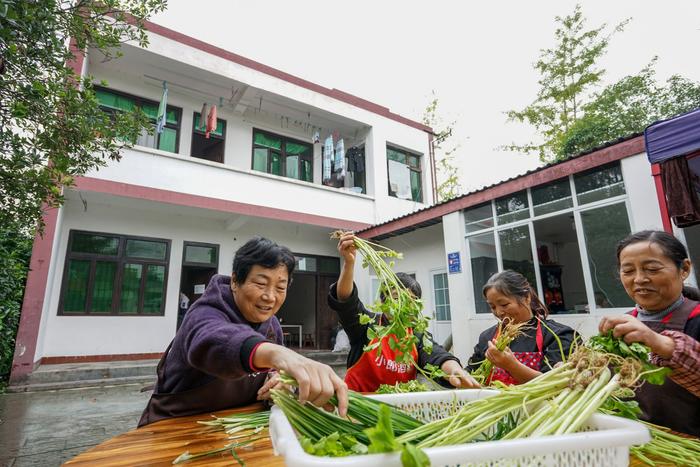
<point>630,329</point>
<point>457,377</point>
<point>502,359</point>
<point>317,382</point>
<point>347,248</point>
<point>272,382</point>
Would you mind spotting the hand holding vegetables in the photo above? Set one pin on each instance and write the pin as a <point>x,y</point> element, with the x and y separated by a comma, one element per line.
<point>457,377</point>
<point>630,329</point>
<point>501,358</point>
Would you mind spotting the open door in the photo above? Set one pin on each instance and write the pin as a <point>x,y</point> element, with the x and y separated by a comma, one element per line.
<point>200,263</point>
<point>326,318</point>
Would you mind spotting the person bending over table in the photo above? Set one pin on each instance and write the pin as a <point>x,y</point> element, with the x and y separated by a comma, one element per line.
<point>230,339</point>
<point>653,266</point>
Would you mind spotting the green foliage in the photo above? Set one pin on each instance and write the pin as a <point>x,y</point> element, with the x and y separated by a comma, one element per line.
<point>410,386</point>
<point>627,107</point>
<point>448,178</point>
<point>15,250</point>
<point>567,73</point>
<point>333,445</point>
<point>51,125</point>
<point>381,437</point>
<point>413,456</point>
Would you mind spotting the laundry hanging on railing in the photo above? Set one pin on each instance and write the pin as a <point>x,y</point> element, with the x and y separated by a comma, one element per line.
<point>162,109</point>
<point>327,158</point>
<point>211,121</point>
<point>339,163</point>
<point>203,118</point>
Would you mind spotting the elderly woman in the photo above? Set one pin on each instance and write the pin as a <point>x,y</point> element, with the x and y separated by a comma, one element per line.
<point>230,338</point>
<point>653,266</point>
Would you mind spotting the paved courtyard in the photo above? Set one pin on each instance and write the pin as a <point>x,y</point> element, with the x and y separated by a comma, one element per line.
<point>50,427</point>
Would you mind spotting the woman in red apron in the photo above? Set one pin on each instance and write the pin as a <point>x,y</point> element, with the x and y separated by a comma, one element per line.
<point>512,298</point>
<point>368,370</point>
<point>653,266</point>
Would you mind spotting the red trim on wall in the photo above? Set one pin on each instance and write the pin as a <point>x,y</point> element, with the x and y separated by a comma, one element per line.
<point>661,196</point>
<point>268,70</point>
<point>603,156</point>
<point>216,204</point>
<point>33,305</point>
<point>100,358</point>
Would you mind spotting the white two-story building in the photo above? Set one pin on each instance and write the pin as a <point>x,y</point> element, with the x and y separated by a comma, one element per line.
<point>107,276</point>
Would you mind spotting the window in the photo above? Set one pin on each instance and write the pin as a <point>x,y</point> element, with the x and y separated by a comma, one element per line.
<point>603,228</point>
<point>479,217</point>
<point>201,254</point>
<point>512,208</point>
<point>283,156</point>
<point>599,183</point>
<point>552,197</point>
<point>442,297</point>
<point>404,174</point>
<point>115,101</point>
<point>482,251</point>
<point>212,148</point>
<point>516,252</point>
<point>114,275</point>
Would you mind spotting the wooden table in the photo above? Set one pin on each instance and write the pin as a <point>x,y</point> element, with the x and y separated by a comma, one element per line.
<point>159,443</point>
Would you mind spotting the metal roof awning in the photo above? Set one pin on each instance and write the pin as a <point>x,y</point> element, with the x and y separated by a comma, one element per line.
<point>674,137</point>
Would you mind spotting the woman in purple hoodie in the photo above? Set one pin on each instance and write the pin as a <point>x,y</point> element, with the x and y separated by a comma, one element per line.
<point>230,339</point>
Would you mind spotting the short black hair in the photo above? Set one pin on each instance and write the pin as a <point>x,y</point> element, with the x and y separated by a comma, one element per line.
<point>263,252</point>
<point>513,284</point>
<point>407,281</point>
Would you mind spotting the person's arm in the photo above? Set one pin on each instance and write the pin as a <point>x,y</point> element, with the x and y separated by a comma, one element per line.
<point>349,312</point>
<point>552,352</point>
<point>684,361</point>
<point>479,353</point>
<point>439,357</point>
<point>348,251</point>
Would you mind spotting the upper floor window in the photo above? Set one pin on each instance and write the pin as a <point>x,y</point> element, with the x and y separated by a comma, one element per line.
<point>116,101</point>
<point>404,174</point>
<point>599,183</point>
<point>279,155</point>
<point>212,148</point>
<point>108,274</point>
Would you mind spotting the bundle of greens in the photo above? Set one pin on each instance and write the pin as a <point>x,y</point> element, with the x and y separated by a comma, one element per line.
<point>403,310</point>
<point>507,332</point>
<point>410,386</point>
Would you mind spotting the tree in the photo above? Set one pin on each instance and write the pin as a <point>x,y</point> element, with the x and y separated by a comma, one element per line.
<point>51,125</point>
<point>567,73</point>
<point>627,107</point>
<point>447,174</point>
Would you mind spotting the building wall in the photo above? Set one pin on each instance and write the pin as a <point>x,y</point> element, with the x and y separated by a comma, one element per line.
<point>108,335</point>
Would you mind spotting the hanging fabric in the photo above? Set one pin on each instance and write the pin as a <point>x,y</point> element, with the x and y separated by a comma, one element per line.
<point>211,122</point>
<point>162,109</point>
<point>327,158</point>
<point>682,198</point>
<point>400,179</point>
<point>339,163</point>
<point>203,118</point>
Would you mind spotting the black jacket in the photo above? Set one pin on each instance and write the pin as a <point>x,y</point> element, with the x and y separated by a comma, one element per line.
<point>527,343</point>
<point>349,312</point>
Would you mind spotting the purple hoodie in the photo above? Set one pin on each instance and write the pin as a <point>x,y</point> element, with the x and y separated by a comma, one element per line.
<point>214,341</point>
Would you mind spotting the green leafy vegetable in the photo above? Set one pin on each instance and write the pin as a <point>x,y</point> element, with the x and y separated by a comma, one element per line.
<point>381,437</point>
<point>333,445</point>
<point>413,456</point>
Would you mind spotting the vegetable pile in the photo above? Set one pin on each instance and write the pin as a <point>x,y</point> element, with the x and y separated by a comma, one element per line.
<point>507,332</point>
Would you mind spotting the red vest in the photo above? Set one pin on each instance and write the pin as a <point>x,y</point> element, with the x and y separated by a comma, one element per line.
<point>378,367</point>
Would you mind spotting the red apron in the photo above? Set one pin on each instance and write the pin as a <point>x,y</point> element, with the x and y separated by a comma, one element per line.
<point>529,359</point>
<point>380,367</point>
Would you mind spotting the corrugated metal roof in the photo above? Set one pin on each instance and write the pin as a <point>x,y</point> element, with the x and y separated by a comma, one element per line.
<point>438,218</point>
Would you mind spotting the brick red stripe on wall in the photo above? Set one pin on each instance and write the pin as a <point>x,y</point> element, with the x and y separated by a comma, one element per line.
<point>100,358</point>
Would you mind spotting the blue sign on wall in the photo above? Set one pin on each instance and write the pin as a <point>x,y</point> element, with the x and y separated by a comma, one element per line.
<point>453,263</point>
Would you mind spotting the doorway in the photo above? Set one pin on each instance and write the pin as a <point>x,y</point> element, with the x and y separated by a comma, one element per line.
<point>200,262</point>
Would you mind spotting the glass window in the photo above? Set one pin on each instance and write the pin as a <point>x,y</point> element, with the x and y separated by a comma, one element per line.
<point>200,254</point>
<point>405,176</point>
<point>209,148</point>
<point>599,183</point>
<point>512,208</point>
<point>306,263</point>
<point>603,228</point>
<point>516,251</point>
<point>479,217</point>
<point>103,279</point>
<point>116,101</point>
<point>145,249</point>
<point>329,265</point>
<point>279,155</point>
<point>552,197</point>
<point>442,297</point>
<point>482,252</point>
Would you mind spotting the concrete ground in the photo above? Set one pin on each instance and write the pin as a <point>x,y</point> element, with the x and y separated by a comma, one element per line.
<point>48,428</point>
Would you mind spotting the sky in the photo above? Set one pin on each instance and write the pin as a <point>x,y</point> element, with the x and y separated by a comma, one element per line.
<point>477,57</point>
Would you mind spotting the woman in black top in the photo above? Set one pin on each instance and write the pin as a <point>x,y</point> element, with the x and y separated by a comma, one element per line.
<point>536,350</point>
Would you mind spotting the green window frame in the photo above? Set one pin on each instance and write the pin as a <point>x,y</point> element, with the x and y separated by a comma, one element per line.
<point>114,275</point>
<point>413,162</point>
<point>279,155</point>
<point>117,101</point>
